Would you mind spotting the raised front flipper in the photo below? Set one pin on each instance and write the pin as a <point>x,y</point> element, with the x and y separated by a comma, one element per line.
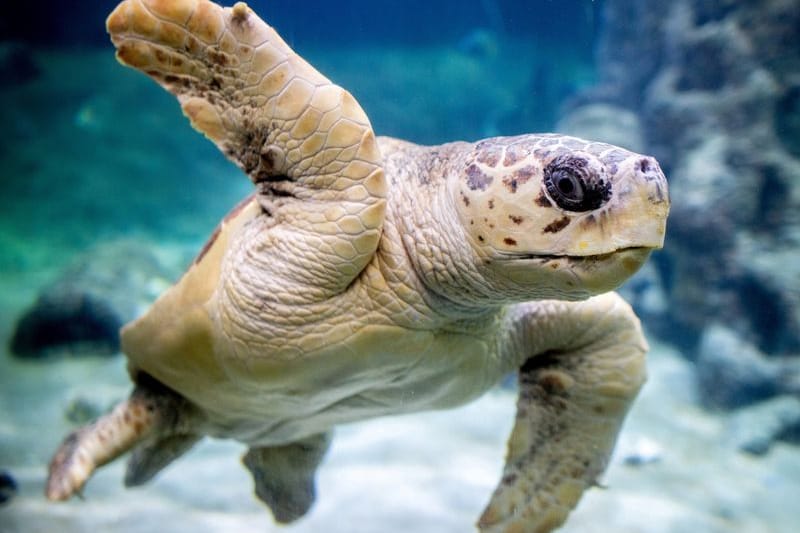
<point>582,365</point>
<point>304,141</point>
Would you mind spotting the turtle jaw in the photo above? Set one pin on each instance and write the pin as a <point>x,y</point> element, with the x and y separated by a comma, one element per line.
<point>570,277</point>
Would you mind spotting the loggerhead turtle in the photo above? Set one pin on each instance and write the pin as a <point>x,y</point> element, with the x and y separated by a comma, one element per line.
<point>370,276</point>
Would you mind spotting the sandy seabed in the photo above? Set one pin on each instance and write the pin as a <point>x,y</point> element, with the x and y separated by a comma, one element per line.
<point>430,472</point>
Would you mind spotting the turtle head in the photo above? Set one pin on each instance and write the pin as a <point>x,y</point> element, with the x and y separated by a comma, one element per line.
<point>553,216</point>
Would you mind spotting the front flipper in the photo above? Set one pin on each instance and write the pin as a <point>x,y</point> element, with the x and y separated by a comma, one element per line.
<point>582,365</point>
<point>284,475</point>
<point>304,141</point>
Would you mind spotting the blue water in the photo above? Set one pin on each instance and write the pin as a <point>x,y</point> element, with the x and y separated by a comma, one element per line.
<point>94,153</point>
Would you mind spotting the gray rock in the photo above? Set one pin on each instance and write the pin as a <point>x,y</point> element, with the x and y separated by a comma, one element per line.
<point>8,487</point>
<point>732,373</point>
<point>755,429</point>
<point>82,311</point>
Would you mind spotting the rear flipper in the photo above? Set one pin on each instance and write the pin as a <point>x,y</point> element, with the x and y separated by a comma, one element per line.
<point>284,475</point>
<point>152,414</point>
<point>150,457</point>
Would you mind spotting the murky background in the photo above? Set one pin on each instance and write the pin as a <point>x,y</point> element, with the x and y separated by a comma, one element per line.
<point>106,194</point>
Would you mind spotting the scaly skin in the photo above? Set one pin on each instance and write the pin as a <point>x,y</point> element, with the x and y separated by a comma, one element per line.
<point>370,277</point>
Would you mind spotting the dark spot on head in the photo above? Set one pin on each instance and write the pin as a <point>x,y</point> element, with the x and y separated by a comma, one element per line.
<point>465,199</point>
<point>491,204</point>
<point>557,225</point>
<point>477,179</point>
<point>644,165</point>
<point>524,174</point>
<point>588,220</point>
<point>518,177</point>
<point>516,219</point>
<point>543,200</point>
<point>489,156</point>
<point>509,241</point>
<point>512,156</point>
<point>480,238</point>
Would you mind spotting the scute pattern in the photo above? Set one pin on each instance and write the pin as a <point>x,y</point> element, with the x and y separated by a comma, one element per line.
<point>288,127</point>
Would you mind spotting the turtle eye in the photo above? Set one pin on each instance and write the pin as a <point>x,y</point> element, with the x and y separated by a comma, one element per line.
<point>572,185</point>
<point>568,186</point>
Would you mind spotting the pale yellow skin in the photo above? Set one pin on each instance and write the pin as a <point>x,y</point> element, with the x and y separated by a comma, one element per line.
<point>371,277</point>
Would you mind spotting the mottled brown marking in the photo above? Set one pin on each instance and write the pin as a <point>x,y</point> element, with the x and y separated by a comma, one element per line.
<point>509,241</point>
<point>553,382</point>
<point>524,174</point>
<point>543,201</point>
<point>588,221</point>
<point>516,219</point>
<point>518,177</point>
<point>477,179</point>
<point>511,184</point>
<point>193,45</point>
<point>465,199</point>
<point>240,16</point>
<point>509,479</point>
<point>161,56</point>
<point>267,161</point>
<point>557,225</point>
<point>480,238</point>
<point>489,157</point>
<point>512,156</point>
<point>491,204</point>
<point>217,57</point>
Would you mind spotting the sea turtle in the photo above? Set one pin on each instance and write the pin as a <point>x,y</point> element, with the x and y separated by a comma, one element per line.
<point>371,276</point>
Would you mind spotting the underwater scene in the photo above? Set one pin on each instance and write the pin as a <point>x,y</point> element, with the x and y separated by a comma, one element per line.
<point>368,265</point>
